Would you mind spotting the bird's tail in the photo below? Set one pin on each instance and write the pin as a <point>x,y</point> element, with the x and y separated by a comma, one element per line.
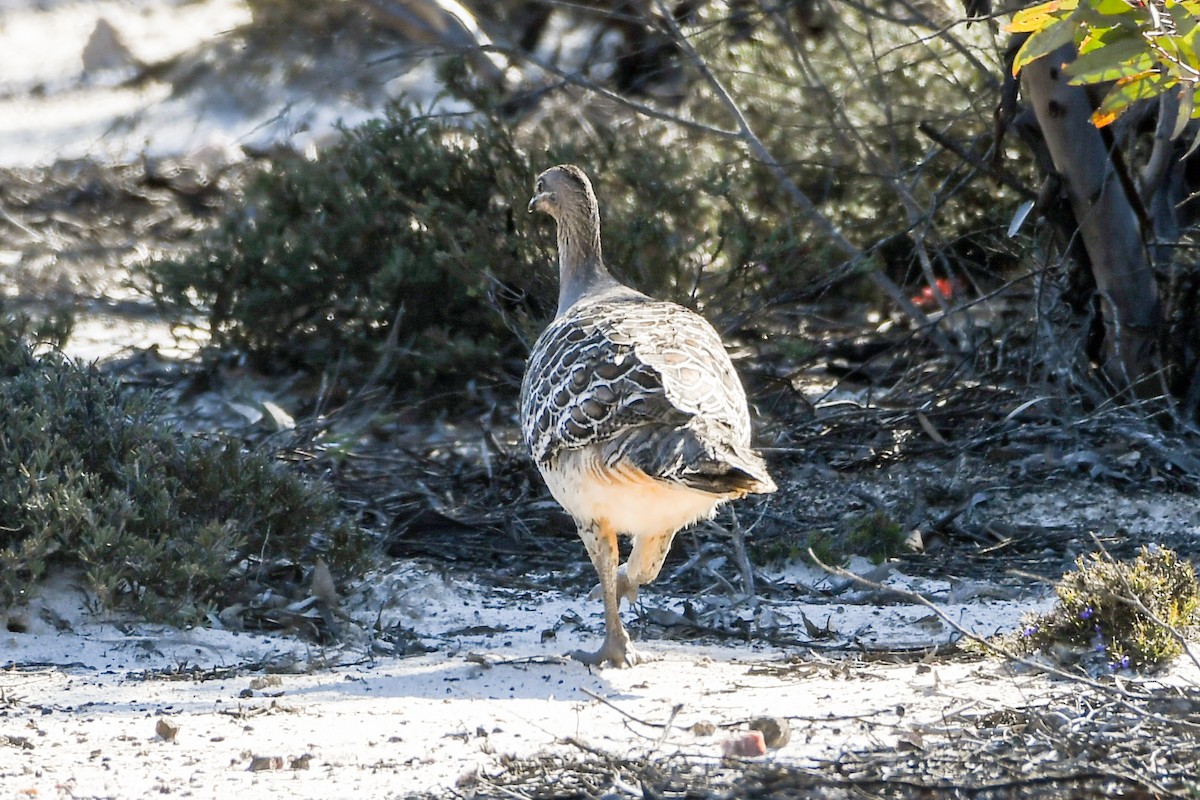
<point>751,470</point>
<point>694,456</point>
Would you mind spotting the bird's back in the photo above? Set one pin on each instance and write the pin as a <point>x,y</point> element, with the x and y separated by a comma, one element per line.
<point>644,382</point>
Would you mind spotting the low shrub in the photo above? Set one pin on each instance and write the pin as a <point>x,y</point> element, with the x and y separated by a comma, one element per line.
<point>874,536</point>
<point>1102,607</point>
<point>169,526</point>
<point>407,246</point>
<point>51,329</point>
<point>392,239</point>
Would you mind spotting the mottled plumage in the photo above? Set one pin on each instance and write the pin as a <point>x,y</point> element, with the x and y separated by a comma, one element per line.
<point>631,410</point>
<point>646,380</point>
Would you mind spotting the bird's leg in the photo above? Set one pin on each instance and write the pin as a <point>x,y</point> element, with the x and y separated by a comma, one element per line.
<point>601,543</point>
<point>645,562</point>
<point>625,588</point>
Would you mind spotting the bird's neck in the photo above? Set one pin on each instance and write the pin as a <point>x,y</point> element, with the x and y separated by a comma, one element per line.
<point>581,267</point>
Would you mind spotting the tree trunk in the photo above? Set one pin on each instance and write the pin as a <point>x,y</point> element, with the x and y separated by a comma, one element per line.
<point>1108,225</point>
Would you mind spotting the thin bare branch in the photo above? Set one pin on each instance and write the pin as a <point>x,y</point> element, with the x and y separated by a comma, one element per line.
<point>806,205</point>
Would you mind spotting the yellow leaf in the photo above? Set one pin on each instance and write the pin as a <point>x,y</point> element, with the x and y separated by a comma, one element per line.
<point>1131,78</point>
<point>1035,18</point>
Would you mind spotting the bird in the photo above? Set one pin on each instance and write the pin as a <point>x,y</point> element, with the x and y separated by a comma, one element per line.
<point>632,411</point>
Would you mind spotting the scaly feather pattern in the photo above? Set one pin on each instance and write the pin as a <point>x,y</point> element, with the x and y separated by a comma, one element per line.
<point>650,381</point>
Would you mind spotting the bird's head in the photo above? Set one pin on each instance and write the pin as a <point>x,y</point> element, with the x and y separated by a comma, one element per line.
<point>563,190</point>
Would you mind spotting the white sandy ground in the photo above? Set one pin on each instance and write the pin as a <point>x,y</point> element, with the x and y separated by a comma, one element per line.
<point>51,108</point>
<point>81,698</point>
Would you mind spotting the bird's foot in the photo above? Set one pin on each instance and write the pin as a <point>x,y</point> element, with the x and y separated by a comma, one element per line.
<point>624,588</point>
<point>625,656</point>
<point>616,650</point>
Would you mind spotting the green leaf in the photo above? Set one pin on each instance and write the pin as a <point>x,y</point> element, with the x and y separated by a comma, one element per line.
<point>1192,149</point>
<point>1044,42</point>
<point>1131,19</point>
<point>1184,20</point>
<point>1113,7</point>
<point>1129,55</point>
<point>1187,103</point>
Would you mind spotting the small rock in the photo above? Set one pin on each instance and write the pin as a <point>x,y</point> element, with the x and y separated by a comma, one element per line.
<point>263,763</point>
<point>300,762</point>
<point>480,659</point>
<point>776,731</point>
<point>704,728</point>
<point>915,541</point>
<point>231,617</point>
<point>910,740</point>
<point>747,744</point>
<point>105,49</point>
<point>166,729</point>
<point>261,682</point>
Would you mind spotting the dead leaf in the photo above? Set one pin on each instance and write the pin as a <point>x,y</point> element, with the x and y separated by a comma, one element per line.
<point>280,419</point>
<point>250,413</point>
<point>929,429</point>
<point>813,631</point>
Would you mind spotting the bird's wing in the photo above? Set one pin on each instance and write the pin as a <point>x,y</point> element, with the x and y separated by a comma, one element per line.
<point>694,369</point>
<point>649,379</point>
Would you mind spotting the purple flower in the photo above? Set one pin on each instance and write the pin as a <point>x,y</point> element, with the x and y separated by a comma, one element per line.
<point>1086,613</point>
<point>1030,631</point>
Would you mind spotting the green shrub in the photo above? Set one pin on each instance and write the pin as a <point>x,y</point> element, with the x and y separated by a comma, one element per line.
<point>169,526</point>
<point>398,224</point>
<point>53,329</point>
<point>1096,613</point>
<point>874,536</point>
<point>408,244</point>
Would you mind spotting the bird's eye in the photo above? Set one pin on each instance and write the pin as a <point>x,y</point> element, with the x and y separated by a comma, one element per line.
<point>539,188</point>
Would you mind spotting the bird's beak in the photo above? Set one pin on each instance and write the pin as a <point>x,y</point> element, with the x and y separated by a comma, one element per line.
<point>535,202</point>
